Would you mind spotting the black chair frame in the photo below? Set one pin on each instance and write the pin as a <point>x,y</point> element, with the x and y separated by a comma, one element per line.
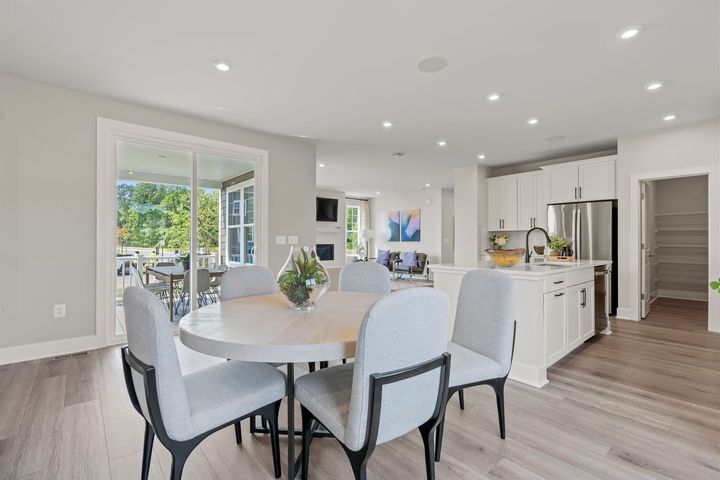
<point>359,459</point>
<point>180,450</point>
<point>498,386</point>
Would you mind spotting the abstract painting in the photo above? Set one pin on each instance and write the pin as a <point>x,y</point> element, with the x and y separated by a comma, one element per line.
<point>392,227</point>
<point>410,225</point>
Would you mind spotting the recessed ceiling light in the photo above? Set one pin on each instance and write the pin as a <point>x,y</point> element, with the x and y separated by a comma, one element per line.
<point>130,172</point>
<point>220,109</point>
<point>432,64</point>
<point>555,138</point>
<point>669,117</point>
<point>629,32</point>
<point>533,121</point>
<point>387,124</point>
<point>377,193</point>
<point>481,156</point>
<point>653,86</point>
<point>427,184</point>
<point>321,165</point>
<point>222,65</point>
<point>493,97</point>
<point>442,143</point>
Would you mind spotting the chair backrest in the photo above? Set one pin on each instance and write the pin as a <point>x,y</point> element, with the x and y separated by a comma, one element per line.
<point>364,277</point>
<point>485,315</point>
<point>136,277</point>
<point>247,281</point>
<point>150,339</point>
<point>203,281</point>
<point>403,329</point>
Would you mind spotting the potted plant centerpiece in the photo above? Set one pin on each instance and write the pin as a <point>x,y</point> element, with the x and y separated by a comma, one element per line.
<point>559,247</point>
<point>303,279</point>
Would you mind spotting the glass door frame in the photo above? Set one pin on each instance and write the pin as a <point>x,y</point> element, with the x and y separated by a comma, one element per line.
<point>242,225</point>
<point>109,134</point>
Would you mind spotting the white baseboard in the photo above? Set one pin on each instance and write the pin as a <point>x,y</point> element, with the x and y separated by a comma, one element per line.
<point>528,374</point>
<point>34,351</point>
<point>680,295</point>
<point>625,314</point>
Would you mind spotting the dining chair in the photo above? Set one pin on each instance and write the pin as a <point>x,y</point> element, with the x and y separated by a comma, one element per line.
<point>160,288</point>
<point>203,287</point>
<point>483,339</point>
<point>247,281</point>
<point>215,282</point>
<point>397,383</point>
<point>182,410</point>
<point>364,277</point>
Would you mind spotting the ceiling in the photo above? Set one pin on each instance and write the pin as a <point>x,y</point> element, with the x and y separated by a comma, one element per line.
<point>150,163</point>
<point>334,71</point>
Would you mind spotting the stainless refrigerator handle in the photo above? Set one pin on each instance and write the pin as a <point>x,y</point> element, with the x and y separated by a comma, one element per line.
<point>578,240</point>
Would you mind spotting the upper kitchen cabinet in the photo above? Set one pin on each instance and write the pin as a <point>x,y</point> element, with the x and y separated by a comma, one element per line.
<point>532,204</point>
<point>502,203</point>
<point>581,181</point>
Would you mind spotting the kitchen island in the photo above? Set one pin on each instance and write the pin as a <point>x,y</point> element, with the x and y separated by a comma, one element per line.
<point>554,310</point>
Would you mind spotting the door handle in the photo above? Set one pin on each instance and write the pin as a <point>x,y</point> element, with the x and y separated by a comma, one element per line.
<point>560,294</point>
<point>575,193</point>
<point>584,297</point>
<point>580,191</point>
<point>558,282</point>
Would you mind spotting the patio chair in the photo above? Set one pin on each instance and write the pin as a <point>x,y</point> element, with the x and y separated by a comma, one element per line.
<point>203,288</point>
<point>160,289</point>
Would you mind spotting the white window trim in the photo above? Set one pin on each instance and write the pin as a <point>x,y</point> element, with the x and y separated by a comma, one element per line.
<point>241,226</point>
<point>357,240</point>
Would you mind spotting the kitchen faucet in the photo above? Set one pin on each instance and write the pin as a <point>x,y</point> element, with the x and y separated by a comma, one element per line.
<point>527,240</point>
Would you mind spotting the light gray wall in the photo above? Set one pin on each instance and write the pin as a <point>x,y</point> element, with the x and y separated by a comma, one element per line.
<point>682,195</point>
<point>48,200</point>
<point>448,226</point>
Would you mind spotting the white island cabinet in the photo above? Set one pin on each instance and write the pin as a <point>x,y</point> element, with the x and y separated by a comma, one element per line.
<point>554,310</point>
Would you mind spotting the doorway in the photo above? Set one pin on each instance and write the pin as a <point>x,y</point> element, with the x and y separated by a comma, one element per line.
<point>163,216</point>
<point>674,244</point>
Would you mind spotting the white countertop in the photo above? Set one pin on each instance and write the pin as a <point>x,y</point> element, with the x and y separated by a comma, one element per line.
<point>534,269</point>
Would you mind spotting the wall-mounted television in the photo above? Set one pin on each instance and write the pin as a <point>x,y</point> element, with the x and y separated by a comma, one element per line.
<point>326,209</point>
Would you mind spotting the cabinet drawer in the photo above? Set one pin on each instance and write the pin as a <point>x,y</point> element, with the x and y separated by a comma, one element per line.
<point>554,282</point>
<point>577,277</point>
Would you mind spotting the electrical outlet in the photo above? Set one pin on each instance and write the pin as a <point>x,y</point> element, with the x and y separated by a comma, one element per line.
<point>280,240</point>
<point>292,240</point>
<point>59,310</point>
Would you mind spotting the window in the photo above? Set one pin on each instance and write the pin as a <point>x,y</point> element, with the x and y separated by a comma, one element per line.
<point>241,223</point>
<point>352,228</point>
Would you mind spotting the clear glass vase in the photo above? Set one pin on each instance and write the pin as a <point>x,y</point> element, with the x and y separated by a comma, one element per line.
<point>303,279</point>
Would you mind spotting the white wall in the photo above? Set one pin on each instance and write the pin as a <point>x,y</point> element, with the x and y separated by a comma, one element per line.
<point>667,150</point>
<point>333,232</point>
<point>681,195</point>
<point>431,215</point>
<point>470,201</point>
<point>48,200</point>
<point>447,250</point>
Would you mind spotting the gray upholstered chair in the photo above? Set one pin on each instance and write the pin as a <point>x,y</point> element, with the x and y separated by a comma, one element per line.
<point>184,409</point>
<point>364,277</point>
<point>397,383</point>
<point>203,289</point>
<point>247,281</point>
<point>483,338</point>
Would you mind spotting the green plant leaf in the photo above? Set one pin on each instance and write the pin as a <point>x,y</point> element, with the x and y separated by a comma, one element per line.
<point>715,285</point>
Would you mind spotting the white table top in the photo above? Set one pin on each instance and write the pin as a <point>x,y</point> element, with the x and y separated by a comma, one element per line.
<point>264,329</point>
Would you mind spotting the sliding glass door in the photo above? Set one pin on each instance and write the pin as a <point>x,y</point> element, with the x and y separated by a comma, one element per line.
<point>241,224</point>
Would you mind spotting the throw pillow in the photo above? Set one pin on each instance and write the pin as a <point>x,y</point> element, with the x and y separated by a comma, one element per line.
<point>409,259</point>
<point>383,257</point>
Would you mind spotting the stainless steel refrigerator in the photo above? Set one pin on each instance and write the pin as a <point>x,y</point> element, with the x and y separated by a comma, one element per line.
<point>592,228</point>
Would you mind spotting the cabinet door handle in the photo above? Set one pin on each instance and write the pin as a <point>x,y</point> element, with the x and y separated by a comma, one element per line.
<point>558,282</point>
<point>560,294</point>
<point>575,193</point>
<point>584,298</point>
<point>580,191</point>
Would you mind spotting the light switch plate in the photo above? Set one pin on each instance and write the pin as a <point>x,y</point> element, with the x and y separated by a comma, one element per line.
<point>292,240</point>
<point>280,240</point>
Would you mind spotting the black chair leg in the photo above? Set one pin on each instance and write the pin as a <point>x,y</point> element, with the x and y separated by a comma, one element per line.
<point>461,397</point>
<point>359,465</point>
<point>178,463</point>
<point>439,438</point>
<point>252,425</point>
<point>272,421</point>
<point>147,451</point>
<point>344,361</point>
<point>238,433</point>
<point>307,421</point>
<point>311,366</point>
<point>428,436</point>
<point>499,388</point>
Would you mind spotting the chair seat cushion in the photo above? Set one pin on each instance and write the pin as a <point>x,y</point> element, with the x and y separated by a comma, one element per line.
<point>227,391</point>
<point>467,366</point>
<point>326,393</point>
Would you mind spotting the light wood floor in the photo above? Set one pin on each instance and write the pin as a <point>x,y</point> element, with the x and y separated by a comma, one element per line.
<point>643,403</point>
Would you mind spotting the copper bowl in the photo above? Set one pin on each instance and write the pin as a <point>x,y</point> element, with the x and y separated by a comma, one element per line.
<point>506,258</point>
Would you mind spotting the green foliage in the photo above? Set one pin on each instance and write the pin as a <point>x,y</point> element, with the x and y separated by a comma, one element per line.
<point>558,244</point>
<point>298,281</point>
<point>153,215</point>
<point>715,286</point>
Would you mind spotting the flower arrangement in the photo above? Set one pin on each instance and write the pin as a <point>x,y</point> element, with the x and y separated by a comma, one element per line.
<point>303,279</point>
<point>499,240</point>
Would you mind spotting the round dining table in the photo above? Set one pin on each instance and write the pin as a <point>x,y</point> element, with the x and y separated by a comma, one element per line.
<point>264,328</point>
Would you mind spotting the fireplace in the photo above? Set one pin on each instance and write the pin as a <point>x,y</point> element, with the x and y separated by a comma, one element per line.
<point>325,251</point>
